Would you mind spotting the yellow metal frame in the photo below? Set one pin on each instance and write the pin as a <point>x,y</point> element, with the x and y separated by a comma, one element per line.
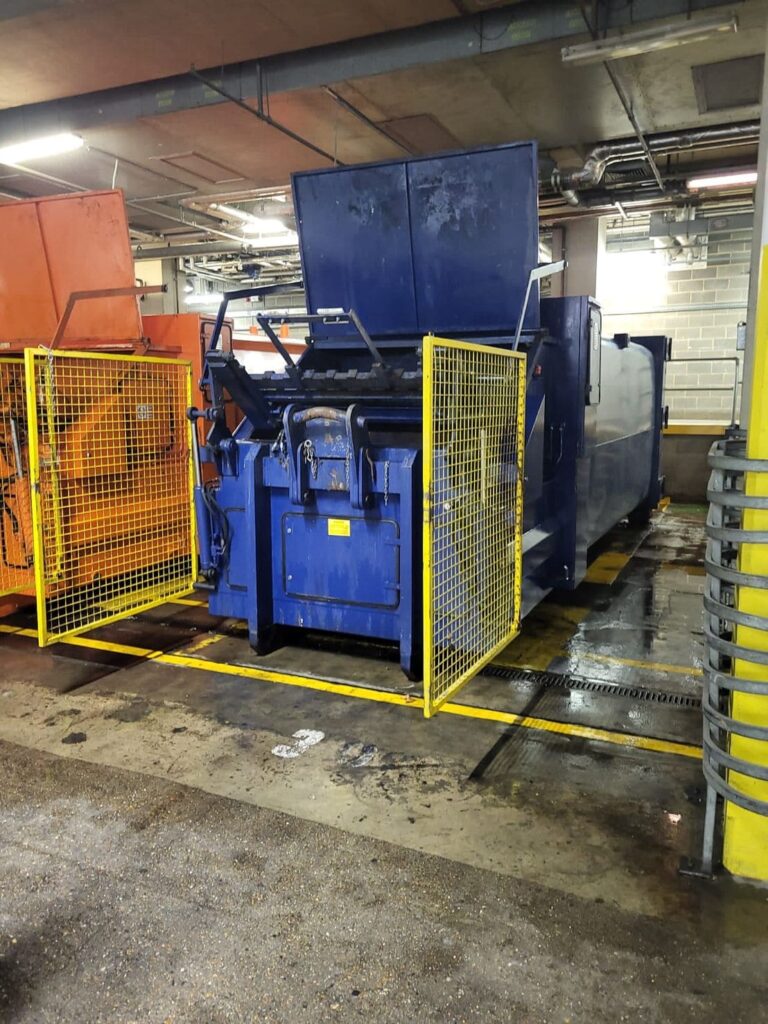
<point>32,359</point>
<point>433,702</point>
<point>23,587</point>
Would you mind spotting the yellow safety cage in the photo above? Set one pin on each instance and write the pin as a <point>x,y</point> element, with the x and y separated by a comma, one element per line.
<point>474,439</point>
<point>111,482</point>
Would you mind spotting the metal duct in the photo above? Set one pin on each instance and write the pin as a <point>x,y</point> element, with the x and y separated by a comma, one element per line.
<point>601,157</point>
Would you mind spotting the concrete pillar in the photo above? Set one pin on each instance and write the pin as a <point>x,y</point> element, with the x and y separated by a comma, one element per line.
<point>154,272</point>
<point>173,299</point>
<point>556,282</point>
<point>759,240</point>
<point>585,253</point>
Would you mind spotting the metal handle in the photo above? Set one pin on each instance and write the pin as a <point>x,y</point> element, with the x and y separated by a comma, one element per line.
<point>100,293</point>
<point>319,412</point>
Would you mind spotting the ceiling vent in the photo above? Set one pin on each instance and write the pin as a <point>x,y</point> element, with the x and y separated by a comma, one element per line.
<point>420,134</point>
<point>202,167</point>
<point>728,84</point>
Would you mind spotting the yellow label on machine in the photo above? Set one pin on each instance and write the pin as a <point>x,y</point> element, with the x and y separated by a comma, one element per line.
<point>338,528</point>
<point>474,437</point>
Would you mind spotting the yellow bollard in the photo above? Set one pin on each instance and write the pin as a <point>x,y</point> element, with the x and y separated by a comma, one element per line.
<point>745,850</point>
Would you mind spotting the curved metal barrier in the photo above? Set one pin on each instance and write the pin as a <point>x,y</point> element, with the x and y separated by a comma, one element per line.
<point>724,647</point>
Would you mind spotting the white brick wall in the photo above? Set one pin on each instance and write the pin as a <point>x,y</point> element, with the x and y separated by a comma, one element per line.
<point>705,330</point>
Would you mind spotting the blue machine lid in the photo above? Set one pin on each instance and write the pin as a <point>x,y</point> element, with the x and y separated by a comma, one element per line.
<point>442,244</point>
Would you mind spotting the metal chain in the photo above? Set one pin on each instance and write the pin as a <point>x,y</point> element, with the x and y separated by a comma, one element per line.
<point>347,456</point>
<point>386,482</point>
<point>280,449</point>
<point>310,457</point>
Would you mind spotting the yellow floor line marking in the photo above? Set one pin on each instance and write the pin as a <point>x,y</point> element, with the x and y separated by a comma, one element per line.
<point>187,601</point>
<point>689,570</point>
<point>629,740</point>
<point>606,567</point>
<point>657,666</point>
<point>586,732</point>
<point>543,637</point>
<point>86,641</point>
<point>206,641</point>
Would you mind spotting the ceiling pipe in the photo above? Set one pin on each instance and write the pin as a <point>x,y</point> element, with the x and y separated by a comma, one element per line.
<point>568,183</point>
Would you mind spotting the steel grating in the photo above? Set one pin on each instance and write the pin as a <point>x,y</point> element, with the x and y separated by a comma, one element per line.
<point>111,475</point>
<point>16,545</point>
<point>601,687</point>
<point>474,438</point>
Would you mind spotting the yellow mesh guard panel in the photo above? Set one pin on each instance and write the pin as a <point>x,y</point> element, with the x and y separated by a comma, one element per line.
<point>16,544</point>
<point>474,437</point>
<point>112,487</point>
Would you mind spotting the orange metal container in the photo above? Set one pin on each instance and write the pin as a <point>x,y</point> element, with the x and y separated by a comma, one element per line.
<point>53,247</point>
<point>57,245</point>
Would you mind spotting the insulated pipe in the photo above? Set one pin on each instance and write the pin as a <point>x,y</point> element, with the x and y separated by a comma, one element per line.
<point>601,157</point>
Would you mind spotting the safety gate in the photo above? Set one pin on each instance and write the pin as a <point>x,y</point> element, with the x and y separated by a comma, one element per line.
<point>111,483</point>
<point>17,571</point>
<point>474,439</point>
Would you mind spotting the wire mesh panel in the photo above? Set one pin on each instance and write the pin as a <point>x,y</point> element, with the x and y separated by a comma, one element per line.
<point>110,467</point>
<point>16,544</point>
<point>474,438</point>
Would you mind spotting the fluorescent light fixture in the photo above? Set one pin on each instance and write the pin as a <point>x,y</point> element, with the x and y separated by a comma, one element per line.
<point>252,225</point>
<point>661,37</point>
<point>37,149</point>
<point>263,226</point>
<point>204,299</point>
<point>231,211</point>
<point>727,180</point>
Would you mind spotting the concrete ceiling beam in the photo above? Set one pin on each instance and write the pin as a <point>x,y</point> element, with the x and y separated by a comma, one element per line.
<point>502,28</point>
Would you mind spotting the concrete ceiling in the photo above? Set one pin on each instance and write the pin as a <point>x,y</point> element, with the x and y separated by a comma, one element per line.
<point>516,93</point>
<point>54,48</point>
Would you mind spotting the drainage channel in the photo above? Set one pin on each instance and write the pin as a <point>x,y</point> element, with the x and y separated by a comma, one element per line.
<point>549,680</point>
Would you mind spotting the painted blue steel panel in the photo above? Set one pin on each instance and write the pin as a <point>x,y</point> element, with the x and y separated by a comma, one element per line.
<point>474,228</point>
<point>441,244</point>
<point>354,236</point>
<point>322,562</point>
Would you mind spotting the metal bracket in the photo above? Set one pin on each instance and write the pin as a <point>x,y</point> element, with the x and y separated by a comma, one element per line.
<point>545,270</point>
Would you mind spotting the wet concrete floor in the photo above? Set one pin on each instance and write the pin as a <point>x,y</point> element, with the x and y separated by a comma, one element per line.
<point>461,833</point>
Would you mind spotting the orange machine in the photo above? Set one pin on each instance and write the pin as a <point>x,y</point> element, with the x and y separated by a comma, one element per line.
<point>92,433</point>
<point>190,334</point>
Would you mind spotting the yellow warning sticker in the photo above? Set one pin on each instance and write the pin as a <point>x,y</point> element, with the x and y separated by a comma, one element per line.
<point>338,527</point>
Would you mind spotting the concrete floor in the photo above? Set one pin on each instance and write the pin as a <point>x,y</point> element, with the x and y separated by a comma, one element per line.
<point>163,860</point>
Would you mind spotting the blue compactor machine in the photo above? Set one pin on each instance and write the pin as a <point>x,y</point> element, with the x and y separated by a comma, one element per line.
<point>448,446</point>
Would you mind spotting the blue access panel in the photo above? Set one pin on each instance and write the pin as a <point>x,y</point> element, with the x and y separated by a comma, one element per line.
<point>442,244</point>
<point>354,233</point>
<point>353,560</point>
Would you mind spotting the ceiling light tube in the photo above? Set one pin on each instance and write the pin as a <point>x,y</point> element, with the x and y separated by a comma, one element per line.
<point>263,226</point>
<point>38,149</point>
<point>726,180</point>
<point>661,37</point>
<point>252,225</point>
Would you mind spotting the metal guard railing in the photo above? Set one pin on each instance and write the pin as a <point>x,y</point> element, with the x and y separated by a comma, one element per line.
<point>725,535</point>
